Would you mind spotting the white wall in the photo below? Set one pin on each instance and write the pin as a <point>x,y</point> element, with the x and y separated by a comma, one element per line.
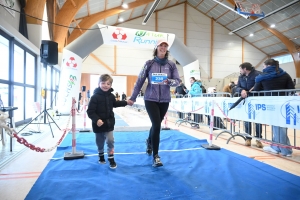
<point>118,83</point>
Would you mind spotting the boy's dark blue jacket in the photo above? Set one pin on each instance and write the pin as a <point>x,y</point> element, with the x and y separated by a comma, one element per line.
<point>101,107</point>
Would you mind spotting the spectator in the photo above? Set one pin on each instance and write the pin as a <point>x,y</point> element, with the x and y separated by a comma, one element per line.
<point>233,87</point>
<point>123,96</point>
<point>227,88</point>
<point>196,91</point>
<point>180,92</point>
<point>274,78</point>
<point>180,89</point>
<point>245,83</point>
<point>117,96</point>
<point>161,74</point>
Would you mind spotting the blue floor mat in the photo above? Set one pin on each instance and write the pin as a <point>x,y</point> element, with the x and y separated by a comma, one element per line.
<point>189,172</point>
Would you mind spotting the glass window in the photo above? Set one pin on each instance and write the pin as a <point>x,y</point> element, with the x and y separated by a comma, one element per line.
<point>284,59</point>
<point>30,69</point>
<point>43,78</point>
<point>18,102</point>
<point>18,64</point>
<point>57,80</point>
<point>4,94</point>
<point>4,61</point>
<point>29,103</point>
<point>48,78</point>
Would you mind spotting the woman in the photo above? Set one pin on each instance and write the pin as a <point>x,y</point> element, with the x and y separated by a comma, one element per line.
<point>274,78</point>
<point>196,91</point>
<point>162,74</point>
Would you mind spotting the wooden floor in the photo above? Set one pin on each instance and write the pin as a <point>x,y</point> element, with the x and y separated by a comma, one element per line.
<point>22,167</point>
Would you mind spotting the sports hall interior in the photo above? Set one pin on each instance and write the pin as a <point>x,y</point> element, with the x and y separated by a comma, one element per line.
<point>213,33</point>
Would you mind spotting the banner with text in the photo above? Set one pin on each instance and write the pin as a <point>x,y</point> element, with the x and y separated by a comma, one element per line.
<point>69,80</point>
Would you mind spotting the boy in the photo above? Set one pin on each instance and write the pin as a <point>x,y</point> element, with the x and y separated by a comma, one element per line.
<point>100,111</point>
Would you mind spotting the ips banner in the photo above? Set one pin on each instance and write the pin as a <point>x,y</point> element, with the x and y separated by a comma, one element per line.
<point>281,111</point>
<point>69,80</point>
<point>133,37</point>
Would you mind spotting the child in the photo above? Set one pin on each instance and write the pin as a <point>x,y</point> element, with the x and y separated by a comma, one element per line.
<point>100,111</point>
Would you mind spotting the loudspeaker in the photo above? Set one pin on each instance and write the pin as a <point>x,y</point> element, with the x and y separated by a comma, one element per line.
<point>49,52</point>
<point>83,89</point>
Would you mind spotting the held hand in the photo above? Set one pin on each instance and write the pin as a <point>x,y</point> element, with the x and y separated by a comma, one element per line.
<point>244,94</point>
<point>129,102</point>
<point>99,122</point>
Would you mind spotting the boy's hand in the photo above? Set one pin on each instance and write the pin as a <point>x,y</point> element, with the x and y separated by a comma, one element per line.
<point>99,122</point>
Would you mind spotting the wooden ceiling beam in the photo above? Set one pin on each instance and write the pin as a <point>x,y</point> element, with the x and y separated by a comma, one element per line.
<point>64,18</point>
<point>33,8</point>
<point>292,47</point>
<point>92,19</point>
<point>101,62</point>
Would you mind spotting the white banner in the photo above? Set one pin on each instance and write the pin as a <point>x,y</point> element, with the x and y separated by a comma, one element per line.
<point>281,111</point>
<point>69,81</point>
<point>113,35</point>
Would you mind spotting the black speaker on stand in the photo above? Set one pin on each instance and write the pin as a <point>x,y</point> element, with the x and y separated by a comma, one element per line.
<point>49,56</point>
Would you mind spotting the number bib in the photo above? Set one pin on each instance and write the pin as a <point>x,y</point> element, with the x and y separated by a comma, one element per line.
<point>158,78</point>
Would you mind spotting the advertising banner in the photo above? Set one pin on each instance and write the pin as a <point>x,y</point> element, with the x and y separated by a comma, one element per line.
<point>69,81</point>
<point>281,111</point>
<point>113,35</point>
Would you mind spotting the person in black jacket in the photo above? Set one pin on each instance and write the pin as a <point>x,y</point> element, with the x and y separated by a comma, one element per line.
<point>100,111</point>
<point>274,78</point>
<point>245,83</point>
<point>180,92</point>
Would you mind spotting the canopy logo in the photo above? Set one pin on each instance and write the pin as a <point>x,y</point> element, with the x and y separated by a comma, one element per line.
<point>119,34</point>
<point>71,62</point>
<point>290,110</point>
<point>140,33</point>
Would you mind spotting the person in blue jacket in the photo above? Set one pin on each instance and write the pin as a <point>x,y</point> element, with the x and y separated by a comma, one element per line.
<point>195,91</point>
<point>161,74</point>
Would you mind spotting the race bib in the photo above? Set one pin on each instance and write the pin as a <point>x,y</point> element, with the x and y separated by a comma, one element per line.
<point>158,78</point>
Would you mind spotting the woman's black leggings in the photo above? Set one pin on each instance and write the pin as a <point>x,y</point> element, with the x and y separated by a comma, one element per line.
<point>156,112</point>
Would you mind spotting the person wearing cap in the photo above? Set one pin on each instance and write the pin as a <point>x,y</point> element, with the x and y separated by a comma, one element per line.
<point>161,74</point>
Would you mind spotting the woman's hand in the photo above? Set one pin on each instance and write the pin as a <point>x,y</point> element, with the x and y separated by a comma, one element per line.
<point>129,102</point>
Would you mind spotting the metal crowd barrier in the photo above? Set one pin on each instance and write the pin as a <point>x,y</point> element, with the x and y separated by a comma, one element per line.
<point>190,110</point>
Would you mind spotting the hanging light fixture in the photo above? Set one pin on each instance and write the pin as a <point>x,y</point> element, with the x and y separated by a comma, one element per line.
<point>152,9</point>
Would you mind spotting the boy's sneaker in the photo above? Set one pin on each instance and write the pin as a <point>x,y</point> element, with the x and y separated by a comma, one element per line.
<point>149,148</point>
<point>101,158</point>
<point>112,163</point>
<point>156,161</point>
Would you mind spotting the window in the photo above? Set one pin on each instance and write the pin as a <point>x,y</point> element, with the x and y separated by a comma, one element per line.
<point>17,77</point>
<point>18,64</point>
<point>284,59</point>
<point>4,61</point>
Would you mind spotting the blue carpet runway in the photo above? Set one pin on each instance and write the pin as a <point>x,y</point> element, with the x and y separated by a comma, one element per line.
<point>189,172</point>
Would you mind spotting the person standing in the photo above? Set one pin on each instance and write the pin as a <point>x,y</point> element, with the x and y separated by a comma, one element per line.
<point>245,83</point>
<point>180,92</point>
<point>123,96</point>
<point>274,78</point>
<point>161,74</point>
<point>195,91</point>
<point>100,111</point>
